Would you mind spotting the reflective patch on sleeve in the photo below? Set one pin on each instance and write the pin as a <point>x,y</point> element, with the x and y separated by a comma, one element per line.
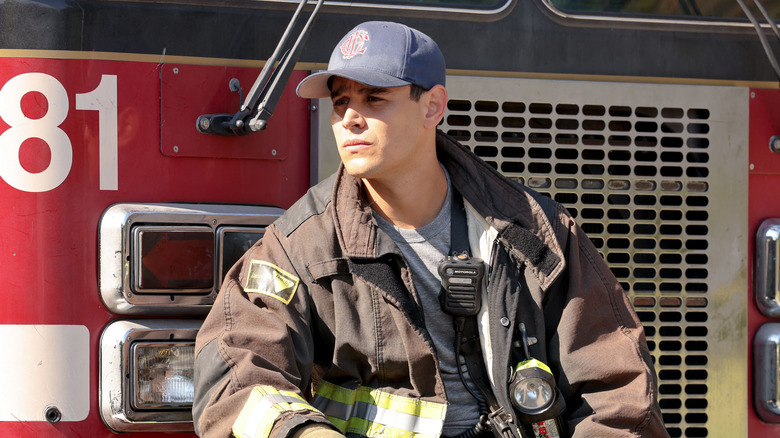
<point>268,279</point>
<point>263,407</point>
<point>367,411</point>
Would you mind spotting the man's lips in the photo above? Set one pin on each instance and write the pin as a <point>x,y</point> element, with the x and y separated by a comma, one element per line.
<point>355,145</point>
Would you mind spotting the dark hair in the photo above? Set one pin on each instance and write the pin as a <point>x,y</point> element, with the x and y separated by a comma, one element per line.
<point>415,92</point>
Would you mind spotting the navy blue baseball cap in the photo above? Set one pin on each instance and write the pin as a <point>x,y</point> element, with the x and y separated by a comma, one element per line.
<point>380,54</point>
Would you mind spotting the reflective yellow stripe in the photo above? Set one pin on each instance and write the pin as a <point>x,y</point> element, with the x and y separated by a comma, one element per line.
<point>372,412</point>
<point>263,407</point>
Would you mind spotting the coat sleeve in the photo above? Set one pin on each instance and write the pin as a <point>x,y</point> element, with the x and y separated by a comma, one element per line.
<point>254,352</point>
<point>605,370</point>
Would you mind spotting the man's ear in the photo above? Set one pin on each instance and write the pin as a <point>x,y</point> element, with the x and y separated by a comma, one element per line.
<point>436,100</point>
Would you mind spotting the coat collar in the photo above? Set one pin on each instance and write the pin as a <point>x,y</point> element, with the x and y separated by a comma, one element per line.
<point>523,225</point>
<point>356,229</point>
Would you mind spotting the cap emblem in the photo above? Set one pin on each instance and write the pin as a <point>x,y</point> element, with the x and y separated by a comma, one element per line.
<point>354,44</point>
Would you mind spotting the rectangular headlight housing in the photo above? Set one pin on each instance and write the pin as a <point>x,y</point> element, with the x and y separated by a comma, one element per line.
<point>767,287</point>
<point>169,259</point>
<point>766,372</point>
<point>162,375</point>
<point>146,375</point>
<point>173,259</point>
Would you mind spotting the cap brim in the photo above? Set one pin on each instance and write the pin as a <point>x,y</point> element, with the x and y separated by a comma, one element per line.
<point>315,86</point>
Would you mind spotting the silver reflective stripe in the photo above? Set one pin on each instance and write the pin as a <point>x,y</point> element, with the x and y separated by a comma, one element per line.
<point>281,398</point>
<point>261,410</point>
<point>376,414</point>
<point>253,425</point>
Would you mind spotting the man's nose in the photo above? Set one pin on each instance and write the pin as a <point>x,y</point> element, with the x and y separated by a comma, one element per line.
<point>352,118</point>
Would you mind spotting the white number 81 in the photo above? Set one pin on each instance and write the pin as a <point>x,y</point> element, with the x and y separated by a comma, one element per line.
<point>46,128</point>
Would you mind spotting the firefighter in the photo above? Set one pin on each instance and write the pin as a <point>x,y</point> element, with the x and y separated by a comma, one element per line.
<point>337,322</point>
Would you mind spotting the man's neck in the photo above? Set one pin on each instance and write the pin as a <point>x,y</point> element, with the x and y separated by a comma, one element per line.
<point>412,203</point>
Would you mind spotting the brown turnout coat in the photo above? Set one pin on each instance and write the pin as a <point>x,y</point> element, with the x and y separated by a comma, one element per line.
<point>355,317</point>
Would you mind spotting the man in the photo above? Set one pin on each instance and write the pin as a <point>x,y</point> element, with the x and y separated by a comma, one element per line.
<point>332,325</point>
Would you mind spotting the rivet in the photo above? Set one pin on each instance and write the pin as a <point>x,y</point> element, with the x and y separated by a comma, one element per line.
<point>504,321</point>
<point>53,414</point>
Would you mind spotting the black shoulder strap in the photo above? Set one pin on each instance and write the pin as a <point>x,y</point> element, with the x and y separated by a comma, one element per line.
<point>468,343</point>
<point>498,421</point>
<point>459,230</point>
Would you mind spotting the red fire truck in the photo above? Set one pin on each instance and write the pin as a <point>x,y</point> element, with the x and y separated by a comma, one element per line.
<point>655,122</point>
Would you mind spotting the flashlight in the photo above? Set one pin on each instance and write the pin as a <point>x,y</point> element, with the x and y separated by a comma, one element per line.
<point>536,399</point>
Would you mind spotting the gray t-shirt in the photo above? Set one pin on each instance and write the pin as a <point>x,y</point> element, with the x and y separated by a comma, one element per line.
<point>423,249</point>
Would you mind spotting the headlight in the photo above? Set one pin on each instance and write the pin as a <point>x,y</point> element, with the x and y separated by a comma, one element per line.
<point>162,374</point>
<point>146,375</point>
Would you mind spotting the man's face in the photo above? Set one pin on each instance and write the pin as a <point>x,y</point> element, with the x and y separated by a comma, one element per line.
<point>378,130</point>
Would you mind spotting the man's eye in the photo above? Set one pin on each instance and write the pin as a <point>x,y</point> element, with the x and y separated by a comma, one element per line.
<point>341,101</point>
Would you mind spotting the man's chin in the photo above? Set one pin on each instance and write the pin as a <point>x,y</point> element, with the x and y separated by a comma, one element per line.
<point>358,170</point>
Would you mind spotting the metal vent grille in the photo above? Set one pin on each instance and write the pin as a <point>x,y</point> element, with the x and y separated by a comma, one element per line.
<point>638,178</point>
